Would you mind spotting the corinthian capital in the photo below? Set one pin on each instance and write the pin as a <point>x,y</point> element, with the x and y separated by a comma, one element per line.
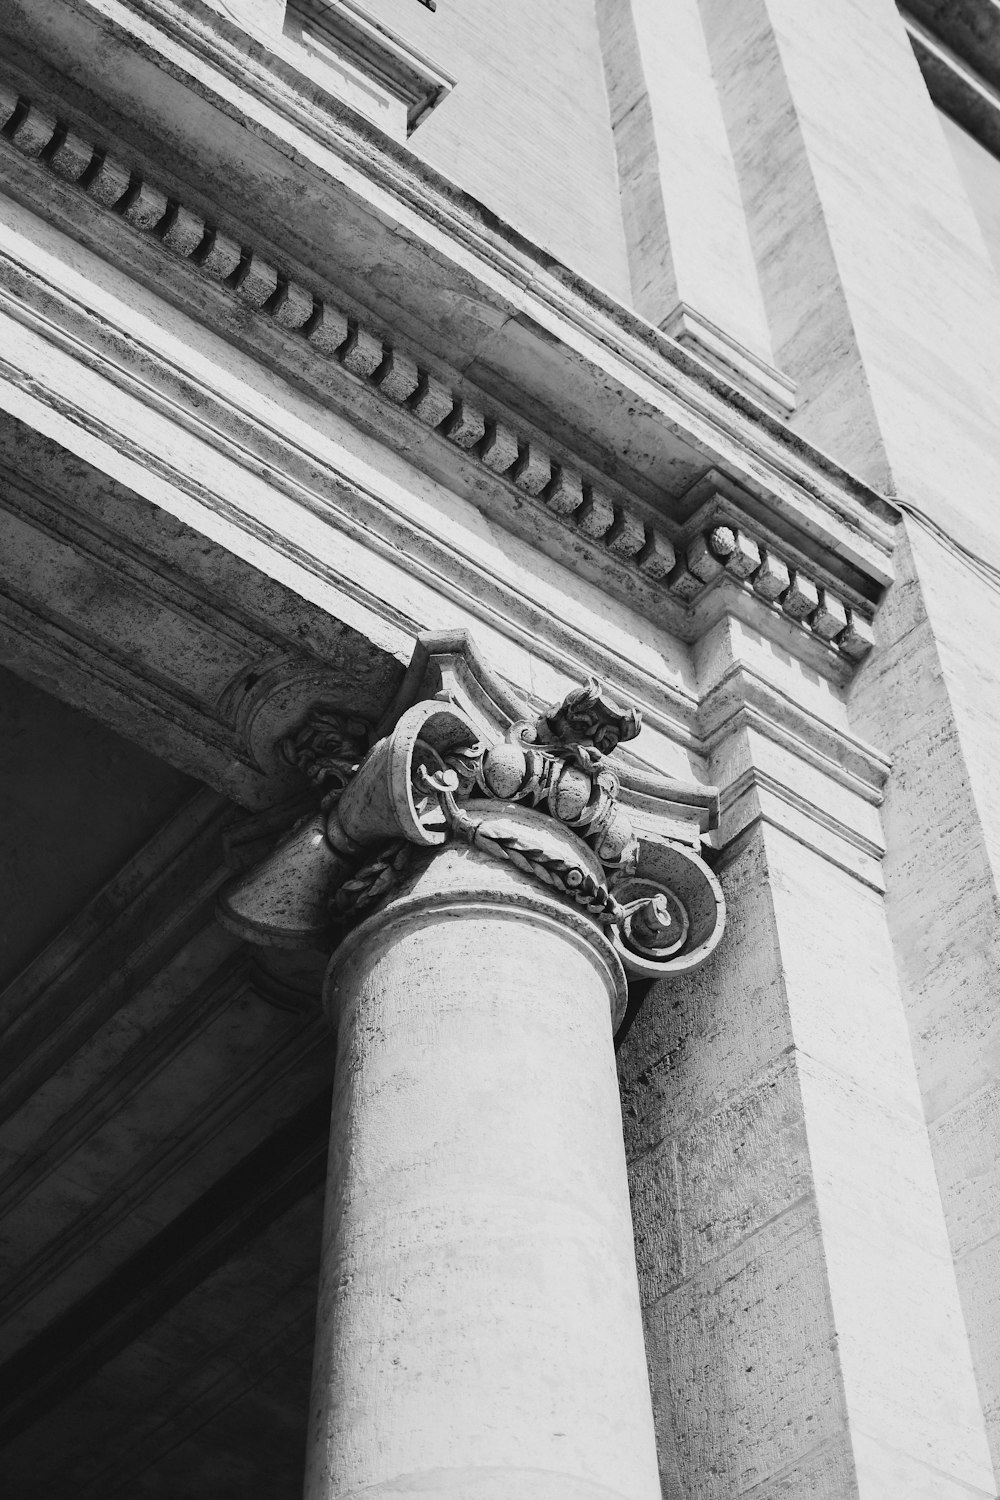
<point>455,750</point>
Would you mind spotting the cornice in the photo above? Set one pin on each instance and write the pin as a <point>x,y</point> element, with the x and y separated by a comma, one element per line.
<point>753,523</point>
<point>530,479</point>
<point>760,781</point>
<point>201,688</point>
<point>834,614</point>
<point>250,66</point>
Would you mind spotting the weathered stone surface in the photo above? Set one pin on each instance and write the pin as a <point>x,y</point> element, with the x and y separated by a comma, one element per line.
<point>772,578</point>
<point>596,515</point>
<point>565,494</point>
<point>295,307</point>
<point>432,401</point>
<point>521,1100</point>
<point>110,182</point>
<point>533,470</point>
<point>72,156</point>
<point>657,557</point>
<point>363,353</point>
<point>627,536</point>
<point>790,1233</point>
<point>499,447</point>
<point>743,558</point>
<point>749,1158</point>
<point>184,232</point>
<point>222,256</point>
<point>722,1170</point>
<point>684,584</point>
<point>754,1321</point>
<point>145,206</point>
<point>526,100</point>
<point>34,130</point>
<point>686,231</point>
<point>397,376</point>
<point>830,617</point>
<point>858,639</point>
<point>327,330</point>
<point>705,554</point>
<point>256,280</point>
<point>801,597</point>
<point>899,287</point>
<point>8,102</point>
<point>466,426</point>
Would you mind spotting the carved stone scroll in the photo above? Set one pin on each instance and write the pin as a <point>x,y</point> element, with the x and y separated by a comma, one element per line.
<point>440,775</point>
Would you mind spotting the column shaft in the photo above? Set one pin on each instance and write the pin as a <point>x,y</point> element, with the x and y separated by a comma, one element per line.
<point>479,1329</point>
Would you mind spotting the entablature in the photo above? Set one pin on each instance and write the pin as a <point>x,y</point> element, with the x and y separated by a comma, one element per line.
<point>397,300</point>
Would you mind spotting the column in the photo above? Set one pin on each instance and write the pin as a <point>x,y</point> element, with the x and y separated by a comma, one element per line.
<point>479,1328</point>
<point>479,1331</point>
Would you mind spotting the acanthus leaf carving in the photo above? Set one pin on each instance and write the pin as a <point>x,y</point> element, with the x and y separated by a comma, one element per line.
<point>327,748</point>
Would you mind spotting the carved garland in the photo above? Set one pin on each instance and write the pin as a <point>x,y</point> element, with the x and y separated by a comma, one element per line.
<point>375,881</point>
<point>571,880</point>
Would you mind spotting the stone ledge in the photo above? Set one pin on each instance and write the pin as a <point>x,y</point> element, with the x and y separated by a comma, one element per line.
<point>760,380</point>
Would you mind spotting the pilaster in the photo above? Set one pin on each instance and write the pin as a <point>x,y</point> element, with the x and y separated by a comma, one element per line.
<point>792,1247</point>
<point>881,268</point>
<point>693,273</point>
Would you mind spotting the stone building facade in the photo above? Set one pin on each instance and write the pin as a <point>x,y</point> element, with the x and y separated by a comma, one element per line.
<point>499,620</point>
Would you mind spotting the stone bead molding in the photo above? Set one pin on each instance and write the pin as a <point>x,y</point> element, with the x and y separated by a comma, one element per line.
<point>524,463</point>
<point>435,778</point>
<point>726,552</point>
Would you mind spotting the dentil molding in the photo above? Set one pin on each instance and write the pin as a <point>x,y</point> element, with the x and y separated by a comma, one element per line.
<point>833,616</point>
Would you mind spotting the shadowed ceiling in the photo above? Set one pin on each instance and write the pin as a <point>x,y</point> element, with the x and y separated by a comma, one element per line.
<point>162,1138</point>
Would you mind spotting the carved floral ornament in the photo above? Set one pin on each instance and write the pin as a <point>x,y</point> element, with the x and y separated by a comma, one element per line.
<point>449,770</point>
